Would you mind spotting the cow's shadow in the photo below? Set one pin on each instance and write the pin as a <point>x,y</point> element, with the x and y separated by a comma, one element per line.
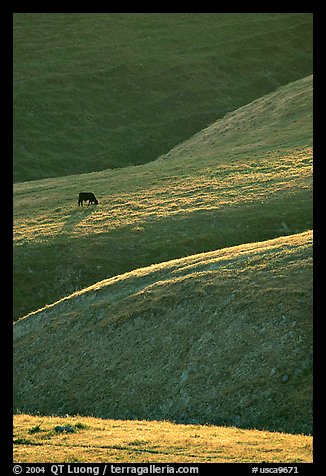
<point>76,216</point>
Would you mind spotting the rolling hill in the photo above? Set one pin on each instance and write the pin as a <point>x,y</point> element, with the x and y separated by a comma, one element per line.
<point>173,320</point>
<point>100,440</point>
<point>223,337</point>
<point>98,91</point>
<point>247,177</point>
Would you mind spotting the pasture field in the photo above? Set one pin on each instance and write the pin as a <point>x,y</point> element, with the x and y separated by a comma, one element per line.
<point>213,191</point>
<point>99,91</point>
<point>120,441</point>
<point>172,322</point>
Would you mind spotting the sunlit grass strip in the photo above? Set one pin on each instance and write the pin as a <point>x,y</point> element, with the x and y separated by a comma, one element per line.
<point>184,267</point>
<point>100,440</point>
<point>207,190</point>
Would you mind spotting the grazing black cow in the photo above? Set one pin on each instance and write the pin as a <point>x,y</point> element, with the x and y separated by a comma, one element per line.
<point>84,196</point>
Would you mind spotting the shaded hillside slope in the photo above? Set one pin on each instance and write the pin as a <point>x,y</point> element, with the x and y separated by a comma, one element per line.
<point>97,91</point>
<point>216,193</point>
<point>223,337</point>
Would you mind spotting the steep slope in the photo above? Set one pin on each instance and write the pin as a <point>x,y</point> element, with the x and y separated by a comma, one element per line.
<point>283,118</point>
<point>96,91</point>
<point>242,179</point>
<point>222,337</point>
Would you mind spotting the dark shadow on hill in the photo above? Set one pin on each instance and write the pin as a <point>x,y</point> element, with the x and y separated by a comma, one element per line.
<point>274,426</point>
<point>176,91</point>
<point>77,216</point>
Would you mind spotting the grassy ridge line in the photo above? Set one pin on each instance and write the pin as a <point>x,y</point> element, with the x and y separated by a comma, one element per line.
<point>224,338</point>
<point>97,440</point>
<point>279,124</point>
<point>279,120</point>
<point>141,280</point>
<point>217,193</point>
<point>282,118</point>
<point>93,91</point>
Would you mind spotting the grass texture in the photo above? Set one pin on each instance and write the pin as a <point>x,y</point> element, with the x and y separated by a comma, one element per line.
<point>173,321</point>
<point>247,177</point>
<point>118,441</point>
<point>94,91</point>
<point>223,337</point>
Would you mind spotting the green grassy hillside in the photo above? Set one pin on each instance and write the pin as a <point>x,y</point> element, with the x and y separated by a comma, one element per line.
<point>223,337</point>
<point>247,177</point>
<point>96,91</point>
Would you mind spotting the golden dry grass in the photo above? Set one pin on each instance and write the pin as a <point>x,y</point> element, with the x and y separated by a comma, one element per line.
<point>203,190</point>
<point>118,441</point>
